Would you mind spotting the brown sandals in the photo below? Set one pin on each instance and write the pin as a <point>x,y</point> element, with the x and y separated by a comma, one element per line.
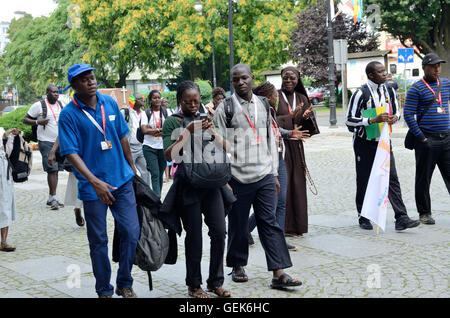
<point>198,293</point>
<point>4,247</point>
<point>219,291</point>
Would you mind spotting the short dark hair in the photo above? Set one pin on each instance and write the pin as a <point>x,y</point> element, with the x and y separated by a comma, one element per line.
<point>218,91</point>
<point>240,65</point>
<point>264,89</point>
<point>184,86</point>
<point>370,68</point>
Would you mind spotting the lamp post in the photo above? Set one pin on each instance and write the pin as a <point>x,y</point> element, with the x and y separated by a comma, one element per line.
<point>331,68</point>
<point>231,40</point>
<point>198,7</point>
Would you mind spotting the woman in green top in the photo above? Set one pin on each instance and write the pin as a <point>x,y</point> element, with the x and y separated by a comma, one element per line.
<point>193,202</point>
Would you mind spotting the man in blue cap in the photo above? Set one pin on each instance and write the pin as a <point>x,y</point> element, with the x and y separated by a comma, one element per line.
<point>93,136</point>
<point>428,101</point>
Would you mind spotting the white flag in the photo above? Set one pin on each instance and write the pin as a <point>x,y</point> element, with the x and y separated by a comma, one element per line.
<point>376,197</point>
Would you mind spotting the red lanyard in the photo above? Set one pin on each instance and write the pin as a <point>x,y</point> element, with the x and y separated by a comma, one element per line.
<point>103,131</point>
<point>439,99</point>
<point>51,108</point>
<point>276,129</point>
<point>287,102</point>
<point>249,121</point>
<point>157,123</point>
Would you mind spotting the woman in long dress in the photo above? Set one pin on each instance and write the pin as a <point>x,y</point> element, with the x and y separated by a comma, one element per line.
<point>7,203</point>
<point>295,110</point>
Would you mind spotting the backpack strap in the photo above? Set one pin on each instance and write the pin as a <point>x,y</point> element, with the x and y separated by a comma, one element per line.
<point>178,117</point>
<point>229,111</point>
<point>126,110</point>
<point>44,108</point>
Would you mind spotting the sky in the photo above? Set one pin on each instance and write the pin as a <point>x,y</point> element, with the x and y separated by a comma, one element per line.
<point>34,7</point>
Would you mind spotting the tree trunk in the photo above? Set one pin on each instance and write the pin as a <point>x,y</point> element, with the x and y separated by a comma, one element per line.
<point>445,67</point>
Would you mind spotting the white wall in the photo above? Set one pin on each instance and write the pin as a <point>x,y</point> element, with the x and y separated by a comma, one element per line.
<point>275,80</point>
<point>356,71</point>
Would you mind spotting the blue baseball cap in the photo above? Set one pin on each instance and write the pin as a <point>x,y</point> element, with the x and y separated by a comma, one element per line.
<point>75,70</point>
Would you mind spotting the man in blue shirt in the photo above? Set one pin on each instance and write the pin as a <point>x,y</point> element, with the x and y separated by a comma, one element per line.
<point>93,136</point>
<point>428,99</point>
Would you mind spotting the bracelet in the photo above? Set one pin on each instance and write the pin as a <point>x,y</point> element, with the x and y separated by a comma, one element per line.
<point>292,133</point>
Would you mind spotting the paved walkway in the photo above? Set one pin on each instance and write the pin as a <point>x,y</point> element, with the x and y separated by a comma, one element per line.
<point>335,259</point>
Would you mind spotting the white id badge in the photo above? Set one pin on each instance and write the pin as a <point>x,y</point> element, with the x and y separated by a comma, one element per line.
<point>439,110</point>
<point>106,145</point>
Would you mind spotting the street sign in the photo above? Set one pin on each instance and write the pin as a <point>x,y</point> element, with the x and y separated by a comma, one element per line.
<point>406,55</point>
<point>340,52</point>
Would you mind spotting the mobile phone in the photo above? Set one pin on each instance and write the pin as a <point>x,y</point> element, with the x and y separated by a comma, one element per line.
<point>203,116</point>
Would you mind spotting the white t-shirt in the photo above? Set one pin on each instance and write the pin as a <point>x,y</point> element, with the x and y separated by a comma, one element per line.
<point>50,132</point>
<point>134,124</point>
<point>149,140</point>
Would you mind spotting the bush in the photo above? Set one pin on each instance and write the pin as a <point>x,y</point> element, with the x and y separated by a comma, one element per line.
<point>14,120</point>
<point>205,90</point>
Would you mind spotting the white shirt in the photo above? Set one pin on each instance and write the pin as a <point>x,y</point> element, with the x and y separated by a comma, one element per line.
<point>134,124</point>
<point>149,140</point>
<point>48,132</point>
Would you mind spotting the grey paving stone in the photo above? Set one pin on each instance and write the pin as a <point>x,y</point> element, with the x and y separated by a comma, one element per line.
<point>45,268</point>
<point>345,246</point>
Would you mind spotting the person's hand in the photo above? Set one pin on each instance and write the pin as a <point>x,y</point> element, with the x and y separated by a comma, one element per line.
<point>425,140</point>
<point>229,187</point>
<point>300,134</point>
<point>133,167</point>
<point>208,124</point>
<point>103,193</point>
<point>392,120</point>
<point>308,112</point>
<point>42,121</point>
<point>277,185</point>
<point>15,131</point>
<point>195,125</point>
<point>51,158</point>
<point>297,110</point>
<point>384,117</point>
<point>158,132</point>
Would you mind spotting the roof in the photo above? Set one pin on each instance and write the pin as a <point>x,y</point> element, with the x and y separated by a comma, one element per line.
<point>368,54</point>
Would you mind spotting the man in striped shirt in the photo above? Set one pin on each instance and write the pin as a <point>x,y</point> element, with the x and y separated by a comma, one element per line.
<point>428,99</point>
<point>375,94</point>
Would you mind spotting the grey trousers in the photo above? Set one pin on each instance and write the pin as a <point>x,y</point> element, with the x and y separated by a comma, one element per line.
<point>139,162</point>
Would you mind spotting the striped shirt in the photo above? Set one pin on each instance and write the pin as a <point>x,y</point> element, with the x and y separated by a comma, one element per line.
<point>358,103</point>
<point>437,119</point>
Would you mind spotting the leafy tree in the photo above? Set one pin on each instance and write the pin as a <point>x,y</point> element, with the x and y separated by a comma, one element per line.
<point>40,52</point>
<point>425,22</point>
<point>14,120</point>
<point>310,40</point>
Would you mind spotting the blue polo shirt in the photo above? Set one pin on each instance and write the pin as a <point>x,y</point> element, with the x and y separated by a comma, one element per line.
<point>78,135</point>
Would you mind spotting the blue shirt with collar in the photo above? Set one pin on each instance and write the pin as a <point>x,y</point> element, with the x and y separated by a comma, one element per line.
<point>78,135</point>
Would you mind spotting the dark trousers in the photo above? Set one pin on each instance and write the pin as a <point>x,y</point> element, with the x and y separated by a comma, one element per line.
<point>262,195</point>
<point>365,151</point>
<point>436,151</point>
<point>124,212</point>
<point>211,204</point>
<point>156,164</point>
<point>280,212</point>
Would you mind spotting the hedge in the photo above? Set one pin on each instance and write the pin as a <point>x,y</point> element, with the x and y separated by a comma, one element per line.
<point>14,120</point>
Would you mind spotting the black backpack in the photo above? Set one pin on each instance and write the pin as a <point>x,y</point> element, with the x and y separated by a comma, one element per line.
<point>204,174</point>
<point>366,96</point>
<point>19,157</point>
<point>149,113</point>
<point>44,115</point>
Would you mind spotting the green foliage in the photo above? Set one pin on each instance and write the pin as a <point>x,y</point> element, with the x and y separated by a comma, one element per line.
<point>14,120</point>
<point>40,51</point>
<point>205,90</point>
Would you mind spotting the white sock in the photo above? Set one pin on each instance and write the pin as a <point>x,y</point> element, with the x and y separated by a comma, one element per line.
<point>51,197</point>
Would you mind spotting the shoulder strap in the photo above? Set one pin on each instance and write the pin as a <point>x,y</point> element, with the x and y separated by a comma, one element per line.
<point>164,112</point>
<point>127,114</point>
<point>149,114</point>
<point>178,117</point>
<point>44,108</point>
<point>365,93</point>
<point>60,104</point>
<point>229,111</point>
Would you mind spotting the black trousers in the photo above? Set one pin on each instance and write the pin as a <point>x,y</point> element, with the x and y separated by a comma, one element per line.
<point>365,151</point>
<point>262,195</point>
<point>436,151</point>
<point>211,204</point>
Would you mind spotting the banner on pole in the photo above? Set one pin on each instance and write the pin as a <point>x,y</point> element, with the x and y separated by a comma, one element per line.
<point>376,196</point>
